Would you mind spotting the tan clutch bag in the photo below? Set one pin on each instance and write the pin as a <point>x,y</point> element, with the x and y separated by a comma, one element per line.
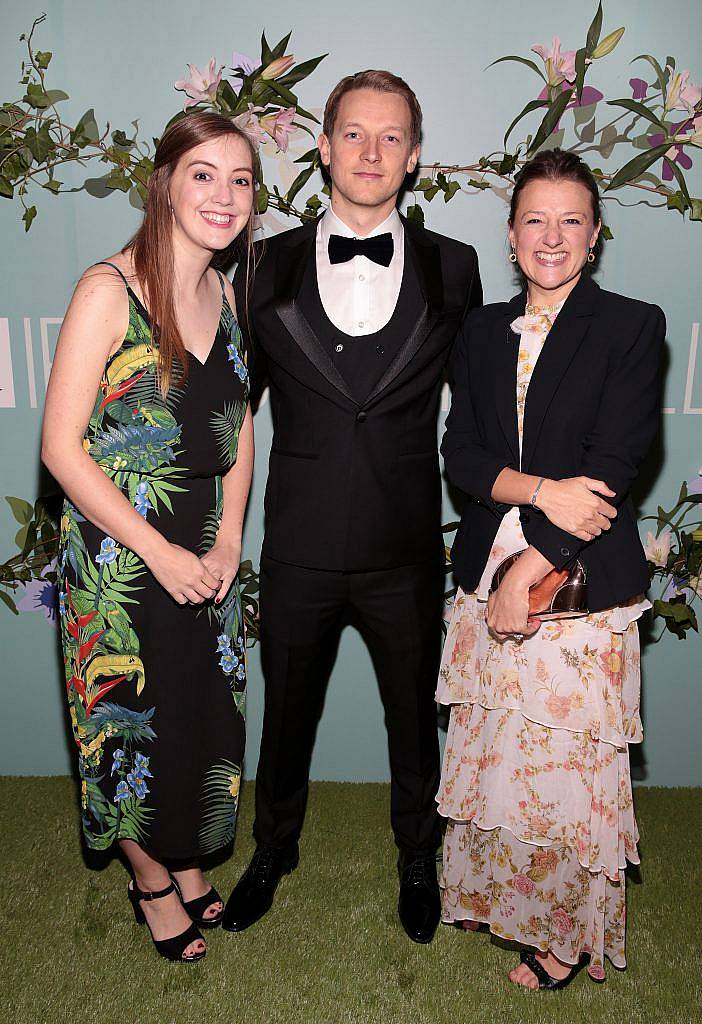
<point>561,594</point>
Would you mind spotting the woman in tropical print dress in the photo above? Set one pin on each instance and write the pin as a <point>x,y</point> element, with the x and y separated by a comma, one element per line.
<point>149,432</point>
<point>561,381</point>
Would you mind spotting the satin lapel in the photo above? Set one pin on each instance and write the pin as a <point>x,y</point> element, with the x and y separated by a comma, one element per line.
<point>290,267</point>
<point>561,345</point>
<point>504,355</point>
<point>426,258</point>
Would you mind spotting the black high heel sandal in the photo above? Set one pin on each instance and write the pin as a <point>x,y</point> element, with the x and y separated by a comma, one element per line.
<point>545,980</point>
<point>196,908</point>
<point>170,949</point>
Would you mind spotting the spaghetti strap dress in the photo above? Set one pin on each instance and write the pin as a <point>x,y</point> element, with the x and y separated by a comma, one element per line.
<point>156,690</point>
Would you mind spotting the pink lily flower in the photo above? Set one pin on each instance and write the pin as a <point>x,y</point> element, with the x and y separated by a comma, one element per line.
<point>682,94</point>
<point>277,67</point>
<point>202,86</point>
<point>250,125</point>
<point>279,126</point>
<point>559,66</point>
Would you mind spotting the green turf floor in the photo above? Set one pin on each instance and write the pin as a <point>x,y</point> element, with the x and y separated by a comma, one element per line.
<point>332,949</point>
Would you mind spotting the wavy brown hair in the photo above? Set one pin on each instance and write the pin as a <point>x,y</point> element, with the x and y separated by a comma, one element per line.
<point>152,246</point>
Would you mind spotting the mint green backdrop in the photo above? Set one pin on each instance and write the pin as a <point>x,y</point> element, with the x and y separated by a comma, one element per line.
<point>122,59</point>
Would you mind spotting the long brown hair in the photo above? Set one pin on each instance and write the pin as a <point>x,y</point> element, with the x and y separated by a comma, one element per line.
<point>152,247</point>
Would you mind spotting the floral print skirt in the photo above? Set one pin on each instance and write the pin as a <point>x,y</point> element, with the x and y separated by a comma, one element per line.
<point>536,782</point>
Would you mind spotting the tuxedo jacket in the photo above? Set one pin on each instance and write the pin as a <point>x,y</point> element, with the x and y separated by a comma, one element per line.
<point>355,484</point>
<point>592,409</point>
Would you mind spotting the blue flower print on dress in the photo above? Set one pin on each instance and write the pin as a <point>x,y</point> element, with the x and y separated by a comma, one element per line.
<point>136,781</point>
<point>224,644</point>
<point>141,500</point>
<point>108,551</point>
<point>241,673</point>
<point>117,759</point>
<point>141,766</point>
<point>239,365</point>
<point>122,792</point>
<point>228,662</point>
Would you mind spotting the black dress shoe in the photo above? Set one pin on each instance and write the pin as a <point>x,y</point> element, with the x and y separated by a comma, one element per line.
<point>419,905</point>
<point>253,894</point>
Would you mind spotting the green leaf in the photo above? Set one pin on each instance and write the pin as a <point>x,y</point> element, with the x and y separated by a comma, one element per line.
<point>607,44</point>
<point>261,198</point>
<point>86,130</point>
<point>6,188</point>
<point>660,73</point>
<point>429,193</point>
<point>28,216</point>
<point>284,94</point>
<point>680,178</point>
<point>641,109</point>
<point>39,142</point>
<point>296,74</point>
<point>310,155</point>
<point>478,184</point>
<point>550,121</point>
<point>314,203</point>
<point>593,33</point>
<point>521,60</point>
<point>43,59</point>
<point>56,95</point>
<point>415,214</point>
<point>120,139</point>
<point>299,182</point>
<point>21,509</point>
<point>532,105</point>
<point>53,185</point>
<point>450,190</point>
<point>580,69</point>
<point>266,52</point>
<point>631,170</point>
<point>605,232</point>
<point>117,179</point>
<point>36,97</point>
<point>6,599</point>
<point>279,49</point>
<point>696,209</point>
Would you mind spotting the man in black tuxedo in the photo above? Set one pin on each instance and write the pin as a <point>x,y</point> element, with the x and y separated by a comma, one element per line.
<point>353,318</point>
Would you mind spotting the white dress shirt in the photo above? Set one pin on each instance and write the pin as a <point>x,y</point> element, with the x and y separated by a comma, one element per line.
<point>359,296</point>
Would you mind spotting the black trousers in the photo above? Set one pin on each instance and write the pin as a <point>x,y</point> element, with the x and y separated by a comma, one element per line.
<point>303,611</point>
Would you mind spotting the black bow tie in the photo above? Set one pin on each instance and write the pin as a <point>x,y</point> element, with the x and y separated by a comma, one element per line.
<point>379,248</point>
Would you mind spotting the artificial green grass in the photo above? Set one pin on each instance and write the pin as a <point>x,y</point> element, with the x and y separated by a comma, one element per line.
<point>332,950</point>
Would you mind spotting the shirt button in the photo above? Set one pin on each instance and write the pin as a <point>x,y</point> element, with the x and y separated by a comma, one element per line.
<point>339,348</point>
<point>565,551</point>
<point>361,323</point>
<point>380,350</point>
<point>361,417</point>
<point>361,277</point>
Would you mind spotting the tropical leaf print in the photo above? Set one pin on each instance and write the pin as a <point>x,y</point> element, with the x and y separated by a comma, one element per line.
<point>226,426</point>
<point>113,581</point>
<point>137,447</point>
<point>212,520</point>
<point>220,797</point>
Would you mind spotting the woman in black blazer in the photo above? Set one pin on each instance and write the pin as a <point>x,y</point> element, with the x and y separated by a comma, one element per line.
<point>555,403</point>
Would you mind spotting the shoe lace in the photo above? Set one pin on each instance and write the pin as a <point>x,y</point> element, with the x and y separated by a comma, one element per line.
<point>262,864</point>
<point>415,873</point>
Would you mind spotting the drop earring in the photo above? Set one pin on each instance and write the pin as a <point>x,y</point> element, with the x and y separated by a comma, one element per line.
<point>590,256</point>
<point>513,256</point>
